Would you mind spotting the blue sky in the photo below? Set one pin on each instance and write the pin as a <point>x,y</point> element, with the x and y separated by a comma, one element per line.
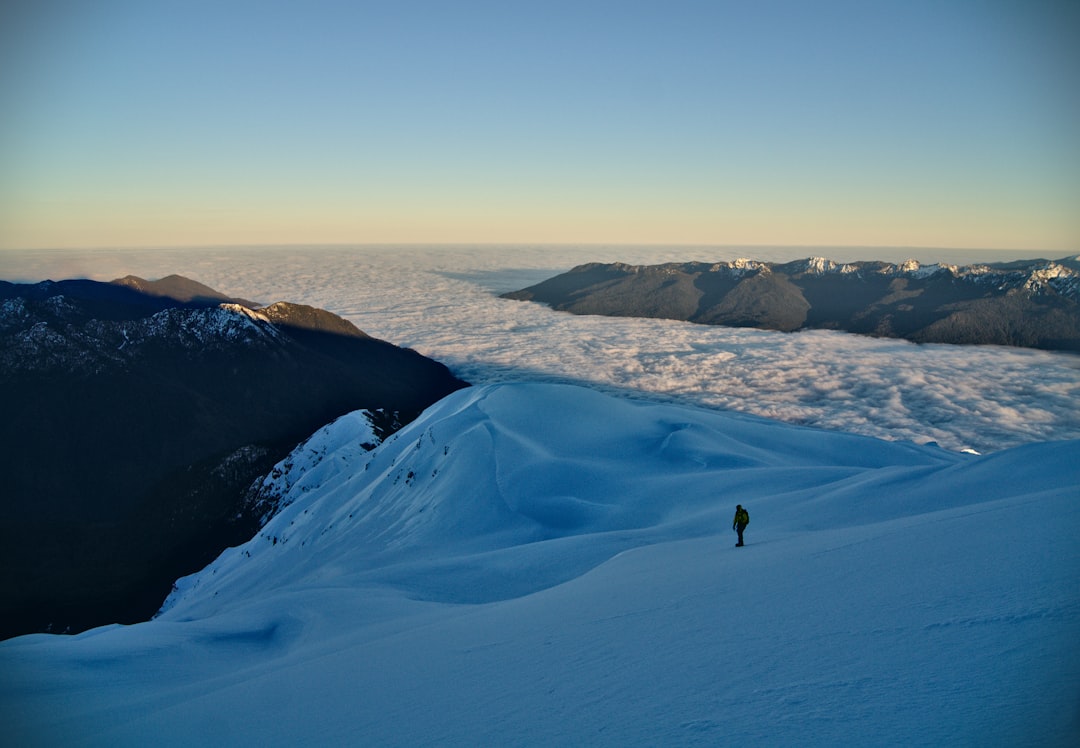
<point>135,123</point>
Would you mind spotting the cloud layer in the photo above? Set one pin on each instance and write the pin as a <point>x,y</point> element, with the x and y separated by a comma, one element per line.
<point>443,302</point>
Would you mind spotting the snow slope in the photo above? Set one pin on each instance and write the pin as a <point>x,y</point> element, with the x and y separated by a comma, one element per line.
<point>547,565</point>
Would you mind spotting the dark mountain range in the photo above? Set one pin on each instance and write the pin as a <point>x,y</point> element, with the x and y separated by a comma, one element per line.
<point>1034,304</point>
<point>136,416</point>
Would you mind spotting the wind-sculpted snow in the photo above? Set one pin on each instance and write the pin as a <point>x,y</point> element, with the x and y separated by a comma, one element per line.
<point>443,302</point>
<point>548,565</point>
<point>503,466</point>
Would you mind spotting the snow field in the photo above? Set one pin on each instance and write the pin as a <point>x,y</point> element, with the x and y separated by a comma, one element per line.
<point>546,565</point>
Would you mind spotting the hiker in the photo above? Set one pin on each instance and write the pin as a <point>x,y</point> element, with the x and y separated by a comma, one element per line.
<point>742,519</point>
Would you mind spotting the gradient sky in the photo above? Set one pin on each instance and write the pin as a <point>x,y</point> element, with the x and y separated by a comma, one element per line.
<point>150,122</point>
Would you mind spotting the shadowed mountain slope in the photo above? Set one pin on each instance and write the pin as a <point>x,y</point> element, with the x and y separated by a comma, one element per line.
<point>137,414</point>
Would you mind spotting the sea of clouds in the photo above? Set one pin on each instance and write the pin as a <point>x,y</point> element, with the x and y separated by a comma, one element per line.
<point>443,302</point>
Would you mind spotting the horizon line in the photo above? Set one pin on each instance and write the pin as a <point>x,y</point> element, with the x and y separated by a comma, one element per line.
<point>512,244</point>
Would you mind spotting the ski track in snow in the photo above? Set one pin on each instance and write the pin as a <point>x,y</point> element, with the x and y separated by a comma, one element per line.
<point>442,301</point>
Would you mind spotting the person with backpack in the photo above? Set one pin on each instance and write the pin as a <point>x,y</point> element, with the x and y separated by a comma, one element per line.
<point>742,519</point>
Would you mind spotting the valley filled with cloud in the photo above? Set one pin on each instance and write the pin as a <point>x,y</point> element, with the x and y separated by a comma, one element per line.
<point>443,302</point>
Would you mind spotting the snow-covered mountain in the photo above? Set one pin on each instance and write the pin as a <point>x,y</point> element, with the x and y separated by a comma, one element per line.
<point>1030,303</point>
<point>532,564</point>
<point>135,415</point>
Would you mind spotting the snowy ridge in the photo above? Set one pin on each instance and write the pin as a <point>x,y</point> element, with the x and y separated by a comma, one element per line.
<point>1053,276</point>
<point>226,323</point>
<point>822,266</point>
<point>740,266</point>
<point>333,449</point>
<point>479,473</point>
<point>543,564</point>
<point>92,345</point>
<point>1037,277</point>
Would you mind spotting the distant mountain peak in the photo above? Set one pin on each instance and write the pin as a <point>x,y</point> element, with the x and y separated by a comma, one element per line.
<point>310,318</point>
<point>179,288</point>
<point>820,265</point>
<point>745,264</point>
